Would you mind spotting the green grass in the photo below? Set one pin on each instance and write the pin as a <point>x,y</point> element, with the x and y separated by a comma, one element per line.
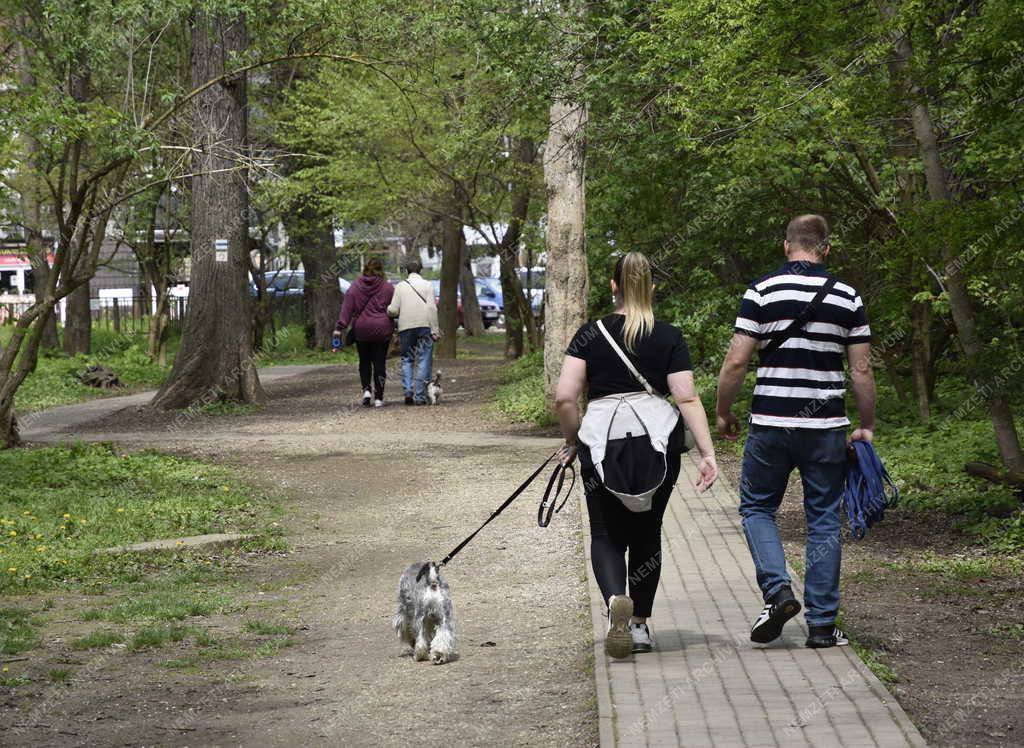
<point>59,505</point>
<point>59,675</point>
<point>289,348</point>
<point>871,658</point>
<point>16,631</point>
<point>97,640</point>
<point>175,596</point>
<point>154,637</point>
<point>266,628</point>
<point>54,381</point>
<point>521,396</point>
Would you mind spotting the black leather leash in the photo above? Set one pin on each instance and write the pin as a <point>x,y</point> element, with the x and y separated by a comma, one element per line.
<point>547,503</point>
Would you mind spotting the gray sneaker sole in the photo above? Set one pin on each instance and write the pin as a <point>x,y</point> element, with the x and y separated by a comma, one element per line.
<point>619,642</point>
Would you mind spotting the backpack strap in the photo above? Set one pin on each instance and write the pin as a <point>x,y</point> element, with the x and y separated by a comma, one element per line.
<point>775,341</point>
<point>625,359</point>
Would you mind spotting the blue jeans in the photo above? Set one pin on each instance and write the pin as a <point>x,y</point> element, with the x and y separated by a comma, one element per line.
<point>768,458</point>
<point>417,361</point>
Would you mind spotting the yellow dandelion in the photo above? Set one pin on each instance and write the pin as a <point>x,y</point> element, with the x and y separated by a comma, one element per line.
<point>12,569</point>
<point>26,514</point>
<point>66,516</point>
<point>13,533</point>
<point>28,576</point>
<point>6,669</point>
<point>180,542</point>
<point>39,536</point>
<point>120,509</point>
<point>40,549</point>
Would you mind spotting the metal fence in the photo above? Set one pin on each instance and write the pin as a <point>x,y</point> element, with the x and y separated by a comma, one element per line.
<point>133,314</point>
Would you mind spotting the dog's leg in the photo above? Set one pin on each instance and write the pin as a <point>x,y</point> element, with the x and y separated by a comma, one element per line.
<point>421,648</point>
<point>443,645</point>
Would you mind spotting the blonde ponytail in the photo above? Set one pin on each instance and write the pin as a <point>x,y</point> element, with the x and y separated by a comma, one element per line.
<point>636,292</point>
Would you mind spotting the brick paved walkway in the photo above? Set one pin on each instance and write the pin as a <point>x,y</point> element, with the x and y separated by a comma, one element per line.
<point>707,685</point>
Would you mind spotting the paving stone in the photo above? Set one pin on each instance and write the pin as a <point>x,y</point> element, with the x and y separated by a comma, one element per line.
<point>706,685</point>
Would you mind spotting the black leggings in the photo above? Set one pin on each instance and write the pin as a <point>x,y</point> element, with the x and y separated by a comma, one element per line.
<point>614,530</point>
<point>373,357</point>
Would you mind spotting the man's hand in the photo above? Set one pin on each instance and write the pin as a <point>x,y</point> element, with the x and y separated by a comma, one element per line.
<point>435,336</point>
<point>728,426</point>
<point>567,454</point>
<point>861,435</point>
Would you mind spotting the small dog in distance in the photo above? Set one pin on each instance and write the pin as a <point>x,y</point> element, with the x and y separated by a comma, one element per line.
<point>434,389</point>
<point>424,619</point>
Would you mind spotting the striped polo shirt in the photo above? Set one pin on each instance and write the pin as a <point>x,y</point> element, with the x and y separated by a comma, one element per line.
<point>803,384</point>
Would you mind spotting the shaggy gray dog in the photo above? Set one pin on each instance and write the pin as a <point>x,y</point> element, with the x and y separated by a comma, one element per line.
<point>424,619</point>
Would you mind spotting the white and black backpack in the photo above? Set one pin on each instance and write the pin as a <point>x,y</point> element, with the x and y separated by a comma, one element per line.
<point>628,435</point>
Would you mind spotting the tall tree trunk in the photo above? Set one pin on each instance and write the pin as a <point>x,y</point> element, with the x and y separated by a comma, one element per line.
<point>566,287</point>
<point>472,318</point>
<point>31,213</point>
<point>215,360</point>
<point>452,241</point>
<point>312,235</point>
<point>1007,439</point>
<point>78,322</point>
<point>518,310</point>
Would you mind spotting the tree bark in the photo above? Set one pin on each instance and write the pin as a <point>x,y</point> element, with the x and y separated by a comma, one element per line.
<point>566,286</point>
<point>78,322</point>
<point>452,241</point>
<point>921,360</point>
<point>215,361</point>
<point>312,234</point>
<point>31,213</point>
<point>518,310</point>
<point>472,318</point>
<point>1007,439</point>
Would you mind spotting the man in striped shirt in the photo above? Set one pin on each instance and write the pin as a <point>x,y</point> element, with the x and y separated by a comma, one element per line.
<point>798,420</point>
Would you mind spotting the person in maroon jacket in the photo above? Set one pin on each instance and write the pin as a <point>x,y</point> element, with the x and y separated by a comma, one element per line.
<point>365,307</point>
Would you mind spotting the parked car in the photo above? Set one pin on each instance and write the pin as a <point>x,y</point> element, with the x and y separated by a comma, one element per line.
<point>489,310</point>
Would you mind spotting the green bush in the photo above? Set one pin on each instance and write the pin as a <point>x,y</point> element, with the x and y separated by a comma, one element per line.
<point>521,396</point>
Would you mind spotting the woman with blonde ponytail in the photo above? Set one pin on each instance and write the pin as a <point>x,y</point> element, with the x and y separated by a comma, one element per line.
<point>657,352</point>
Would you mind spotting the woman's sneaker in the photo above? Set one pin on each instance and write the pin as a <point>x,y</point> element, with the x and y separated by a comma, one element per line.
<point>367,398</point>
<point>768,625</point>
<point>378,403</point>
<point>642,641</point>
<point>618,643</point>
<point>822,637</point>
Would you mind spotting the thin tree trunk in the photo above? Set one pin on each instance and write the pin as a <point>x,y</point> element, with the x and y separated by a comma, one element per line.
<point>472,318</point>
<point>312,234</point>
<point>215,361</point>
<point>78,322</point>
<point>518,311</point>
<point>566,288</point>
<point>920,318</point>
<point>31,213</point>
<point>452,242</point>
<point>1007,439</point>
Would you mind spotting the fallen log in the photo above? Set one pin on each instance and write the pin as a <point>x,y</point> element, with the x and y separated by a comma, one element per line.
<point>994,474</point>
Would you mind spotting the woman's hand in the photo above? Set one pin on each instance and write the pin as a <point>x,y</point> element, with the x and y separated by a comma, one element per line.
<point>708,470</point>
<point>567,454</point>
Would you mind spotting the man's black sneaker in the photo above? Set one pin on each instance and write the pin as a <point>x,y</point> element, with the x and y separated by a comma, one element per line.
<point>769,624</point>
<point>409,400</point>
<point>822,637</point>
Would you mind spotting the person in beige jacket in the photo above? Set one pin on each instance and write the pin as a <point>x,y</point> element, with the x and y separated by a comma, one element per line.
<point>414,307</point>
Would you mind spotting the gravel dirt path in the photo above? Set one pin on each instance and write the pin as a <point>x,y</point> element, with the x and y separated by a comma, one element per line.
<point>367,491</point>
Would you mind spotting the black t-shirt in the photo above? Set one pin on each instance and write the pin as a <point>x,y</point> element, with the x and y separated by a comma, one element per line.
<point>658,354</point>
